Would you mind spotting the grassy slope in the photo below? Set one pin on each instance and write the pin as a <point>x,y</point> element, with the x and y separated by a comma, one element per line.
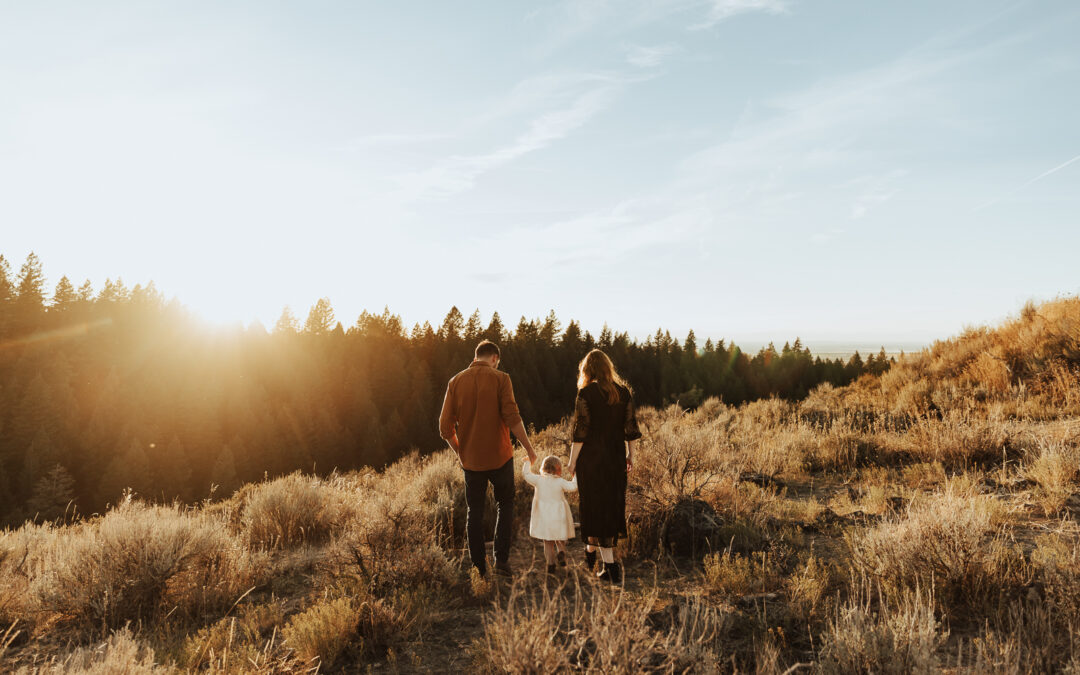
<point>919,521</point>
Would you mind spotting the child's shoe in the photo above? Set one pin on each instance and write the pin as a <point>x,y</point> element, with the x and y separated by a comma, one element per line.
<point>551,568</point>
<point>562,558</point>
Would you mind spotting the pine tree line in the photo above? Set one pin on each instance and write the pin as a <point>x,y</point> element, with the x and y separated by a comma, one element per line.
<point>116,389</point>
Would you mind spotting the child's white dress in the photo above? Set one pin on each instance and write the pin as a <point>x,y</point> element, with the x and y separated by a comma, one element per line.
<point>551,517</point>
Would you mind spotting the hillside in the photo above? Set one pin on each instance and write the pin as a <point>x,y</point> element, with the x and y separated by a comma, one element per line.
<point>914,521</point>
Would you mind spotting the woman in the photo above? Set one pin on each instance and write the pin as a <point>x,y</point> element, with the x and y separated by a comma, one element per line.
<point>605,434</point>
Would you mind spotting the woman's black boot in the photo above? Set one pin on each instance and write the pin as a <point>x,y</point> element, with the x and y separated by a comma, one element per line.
<point>612,572</point>
<point>590,560</point>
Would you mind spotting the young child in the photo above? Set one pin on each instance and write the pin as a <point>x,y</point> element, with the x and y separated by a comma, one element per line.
<point>551,518</point>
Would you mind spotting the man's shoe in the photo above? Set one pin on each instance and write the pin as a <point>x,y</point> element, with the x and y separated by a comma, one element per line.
<point>590,560</point>
<point>562,558</point>
<point>503,569</point>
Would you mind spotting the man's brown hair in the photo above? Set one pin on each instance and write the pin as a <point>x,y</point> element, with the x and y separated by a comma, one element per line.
<point>487,348</point>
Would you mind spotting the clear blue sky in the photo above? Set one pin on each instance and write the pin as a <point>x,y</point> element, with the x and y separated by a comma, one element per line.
<point>753,169</point>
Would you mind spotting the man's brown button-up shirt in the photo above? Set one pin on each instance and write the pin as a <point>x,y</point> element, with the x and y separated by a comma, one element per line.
<point>480,406</point>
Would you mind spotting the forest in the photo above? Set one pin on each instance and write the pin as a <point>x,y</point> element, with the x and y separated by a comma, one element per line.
<point>118,388</point>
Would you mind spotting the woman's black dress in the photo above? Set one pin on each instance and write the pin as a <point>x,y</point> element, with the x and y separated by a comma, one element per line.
<point>603,428</point>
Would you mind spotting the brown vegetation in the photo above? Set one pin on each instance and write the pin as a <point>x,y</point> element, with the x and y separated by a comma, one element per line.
<point>919,521</point>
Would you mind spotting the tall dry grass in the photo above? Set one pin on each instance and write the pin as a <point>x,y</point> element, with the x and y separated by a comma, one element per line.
<point>595,631</point>
<point>136,563</point>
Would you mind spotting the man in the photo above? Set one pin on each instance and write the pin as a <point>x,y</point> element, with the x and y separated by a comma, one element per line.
<point>478,414</point>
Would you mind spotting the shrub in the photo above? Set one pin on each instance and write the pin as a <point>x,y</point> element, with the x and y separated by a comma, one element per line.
<point>680,461</point>
<point>120,654</point>
<point>20,552</point>
<point>323,631</point>
<point>1054,470</point>
<point>806,588</point>
<point>137,562</point>
<point>234,640</point>
<point>948,543</point>
<point>735,574</point>
<point>392,544</point>
<point>897,639</point>
<point>292,510</point>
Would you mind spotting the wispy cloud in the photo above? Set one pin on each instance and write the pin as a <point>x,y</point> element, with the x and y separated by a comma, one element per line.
<point>570,20</point>
<point>1036,179</point>
<point>872,192</point>
<point>721,10</point>
<point>460,173</point>
<point>649,57</point>
<point>392,139</point>
<point>808,159</point>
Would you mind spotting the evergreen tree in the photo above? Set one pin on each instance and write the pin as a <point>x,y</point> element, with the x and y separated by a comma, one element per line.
<point>86,293</point>
<point>34,414</point>
<point>473,329</point>
<point>287,323</point>
<point>53,497</point>
<point>30,295</point>
<point>549,331</point>
<point>495,332</point>
<point>7,288</point>
<point>127,470</point>
<point>605,338</point>
<point>691,344</point>
<point>320,319</point>
<point>40,457</point>
<point>64,297</point>
<point>854,366</point>
<point>452,326</point>
<point>7,297</point>
<point>113,293</point>
<point>223,474</point>
<point>173,469</point>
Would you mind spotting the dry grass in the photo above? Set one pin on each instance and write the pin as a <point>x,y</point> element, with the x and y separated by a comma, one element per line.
<point>1054,470</point>
<point>949,542</point>
<point>902,637</point>
<point>120,654</point>
<point>322,632</point>
<point>136,563</point>
<point>735,574</point>
<point>595,631</point>
<point>294,509</point>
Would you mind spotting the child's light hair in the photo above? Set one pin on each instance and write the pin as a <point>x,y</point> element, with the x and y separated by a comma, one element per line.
<point>550,465</point>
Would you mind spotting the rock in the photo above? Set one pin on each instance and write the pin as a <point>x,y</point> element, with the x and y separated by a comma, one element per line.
<point>863,518</point>
<point>760,479</point>
<point>896,504</point>
<point>691,528</point>
<point>754,598</point>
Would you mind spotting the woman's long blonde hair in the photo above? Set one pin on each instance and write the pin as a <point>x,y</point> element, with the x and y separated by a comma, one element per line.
<point>597,367</point>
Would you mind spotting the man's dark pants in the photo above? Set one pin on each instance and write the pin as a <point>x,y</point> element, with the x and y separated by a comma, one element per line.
<point>476,482</point>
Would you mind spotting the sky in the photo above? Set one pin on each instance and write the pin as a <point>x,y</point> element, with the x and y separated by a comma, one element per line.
<point>751,169</point>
